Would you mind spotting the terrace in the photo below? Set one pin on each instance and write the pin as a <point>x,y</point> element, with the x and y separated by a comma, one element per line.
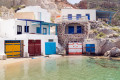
<point>36,27</point>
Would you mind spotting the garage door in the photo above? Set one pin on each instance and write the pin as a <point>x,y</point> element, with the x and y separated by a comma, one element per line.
<point>90,48</point>
<point>13,48</point>
<point>34,47</point>
<point>50,48</point>
<point>74,48</point>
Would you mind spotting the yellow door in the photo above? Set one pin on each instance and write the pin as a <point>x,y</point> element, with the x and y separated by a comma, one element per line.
<point>12,48</point>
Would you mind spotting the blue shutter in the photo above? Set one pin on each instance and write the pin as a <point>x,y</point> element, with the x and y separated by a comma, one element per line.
<point>79,29</point>
<point>88,15</point>
<point>38,30</point>
<point>71,30</point>
<point>78,16</point>
<point>69,16</point>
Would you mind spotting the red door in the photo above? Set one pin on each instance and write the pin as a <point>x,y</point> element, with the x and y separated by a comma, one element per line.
<point>37,47</point>
<point>34,47</point>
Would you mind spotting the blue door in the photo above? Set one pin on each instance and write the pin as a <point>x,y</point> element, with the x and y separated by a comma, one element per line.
<point>79,29</point>
<point>38,30</point>
<point>88,15</point>
<point>71,30</point>
<point>50,48</point>
<point>90,48</point>
<point>44,31</point>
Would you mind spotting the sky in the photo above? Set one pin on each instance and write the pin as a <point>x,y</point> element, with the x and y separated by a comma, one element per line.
<point>73,1</point>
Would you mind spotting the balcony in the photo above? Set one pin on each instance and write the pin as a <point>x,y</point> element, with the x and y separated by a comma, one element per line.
<point>72,19</point>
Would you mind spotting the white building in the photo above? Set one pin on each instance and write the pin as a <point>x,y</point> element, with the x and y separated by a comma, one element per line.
<point>79,13</point>
<point>34,13</point>
<point>33,36</point>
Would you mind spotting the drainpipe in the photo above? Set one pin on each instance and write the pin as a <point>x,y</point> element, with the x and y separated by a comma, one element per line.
<point>56,29</point>
<point>40,27</point>
<point>49,29</point>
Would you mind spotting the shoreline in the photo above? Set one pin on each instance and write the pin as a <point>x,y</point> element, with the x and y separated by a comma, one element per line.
<point>18,60</point>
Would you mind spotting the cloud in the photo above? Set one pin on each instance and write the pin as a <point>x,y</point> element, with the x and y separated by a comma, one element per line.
<point>73,1</point>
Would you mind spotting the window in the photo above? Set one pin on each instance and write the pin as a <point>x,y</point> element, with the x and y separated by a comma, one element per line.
<point>88,15</point>
<point>19,29</point>
<point>26,29</point>
<point>71,30</point>
<point>69,16</point>
<point>50,40</point>
<point>78,16</point>
<point>44,31</point>
<point>79,29</point>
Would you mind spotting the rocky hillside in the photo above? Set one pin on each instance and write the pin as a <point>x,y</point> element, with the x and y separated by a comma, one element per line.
<point>53,6</point>
<point>106,5</point>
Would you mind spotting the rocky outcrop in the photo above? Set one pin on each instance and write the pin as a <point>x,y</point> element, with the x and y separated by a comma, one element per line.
<point>114,52</point>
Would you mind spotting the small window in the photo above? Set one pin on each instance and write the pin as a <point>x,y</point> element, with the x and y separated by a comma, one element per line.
<point>26,29</point>
<point>69,16</point>
<point>78,16</point>
<point>51,40</point>
<point>19,29</point>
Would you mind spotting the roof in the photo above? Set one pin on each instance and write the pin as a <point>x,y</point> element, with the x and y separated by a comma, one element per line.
<point>38,22</point>
<point>104,14</point>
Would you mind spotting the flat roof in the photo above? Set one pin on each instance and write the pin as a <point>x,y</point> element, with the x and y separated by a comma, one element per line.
<point>38,22</point>
<point>104,14</point>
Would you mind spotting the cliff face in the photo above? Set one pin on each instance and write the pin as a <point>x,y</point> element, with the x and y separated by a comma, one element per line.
<point>53,6</point>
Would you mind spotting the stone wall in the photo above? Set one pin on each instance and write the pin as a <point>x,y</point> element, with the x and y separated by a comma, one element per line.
<point>64,39</point>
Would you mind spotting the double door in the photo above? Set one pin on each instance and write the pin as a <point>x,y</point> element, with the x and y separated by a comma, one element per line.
<point>34,47</point>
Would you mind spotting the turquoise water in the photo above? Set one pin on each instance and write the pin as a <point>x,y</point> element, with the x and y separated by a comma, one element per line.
<point>65,68</point>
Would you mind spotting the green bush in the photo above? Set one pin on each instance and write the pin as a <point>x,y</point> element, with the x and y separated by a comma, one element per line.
<point>116,29</point>
<point>101,35</point>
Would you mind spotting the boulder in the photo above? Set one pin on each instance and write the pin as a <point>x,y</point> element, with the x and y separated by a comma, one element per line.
<point>3,56</point>
<point>114,52</point>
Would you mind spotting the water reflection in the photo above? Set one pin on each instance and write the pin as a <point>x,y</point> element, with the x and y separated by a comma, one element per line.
<point>61,69</point>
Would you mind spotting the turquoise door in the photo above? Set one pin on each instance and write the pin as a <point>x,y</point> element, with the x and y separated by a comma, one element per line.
<point>44,31</point>
<point>50,48</point>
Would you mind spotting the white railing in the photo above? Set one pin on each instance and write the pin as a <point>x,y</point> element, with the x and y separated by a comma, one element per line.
<point>73,19</point>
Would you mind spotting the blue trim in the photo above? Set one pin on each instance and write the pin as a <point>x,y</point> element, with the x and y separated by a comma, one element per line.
<point>40,27</point>
<point>12,40</point>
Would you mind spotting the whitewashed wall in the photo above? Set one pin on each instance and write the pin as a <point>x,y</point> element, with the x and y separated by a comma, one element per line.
<point>83,12</point>
<point>38,11</point>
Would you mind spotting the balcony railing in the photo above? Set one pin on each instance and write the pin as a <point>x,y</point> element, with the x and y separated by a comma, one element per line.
<point>72,19</point>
